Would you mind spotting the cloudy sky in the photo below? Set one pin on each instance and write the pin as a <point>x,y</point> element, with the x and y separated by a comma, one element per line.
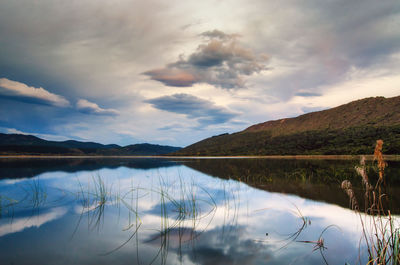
<point>175,72</point>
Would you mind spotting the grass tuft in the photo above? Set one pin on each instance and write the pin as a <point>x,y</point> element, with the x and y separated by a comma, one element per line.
<point>380,229</point>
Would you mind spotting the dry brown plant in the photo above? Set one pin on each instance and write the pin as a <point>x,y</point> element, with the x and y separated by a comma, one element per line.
<point>381,232</point>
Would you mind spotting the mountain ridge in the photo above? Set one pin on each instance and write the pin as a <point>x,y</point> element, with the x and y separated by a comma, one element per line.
<point>21,144</point>
<point>373,110</point>
<point>350,128</point>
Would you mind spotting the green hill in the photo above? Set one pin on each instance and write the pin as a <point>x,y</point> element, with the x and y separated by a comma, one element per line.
<point>352,128</point>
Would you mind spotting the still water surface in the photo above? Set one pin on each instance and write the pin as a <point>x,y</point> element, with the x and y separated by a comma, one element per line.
<point>182,211</point>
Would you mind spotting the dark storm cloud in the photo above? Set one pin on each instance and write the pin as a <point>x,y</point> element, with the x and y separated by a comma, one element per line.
<point>220,61</point>
<point>204,111</point>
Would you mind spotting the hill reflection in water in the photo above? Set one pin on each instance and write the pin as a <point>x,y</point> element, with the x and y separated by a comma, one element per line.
<point>182,211</point>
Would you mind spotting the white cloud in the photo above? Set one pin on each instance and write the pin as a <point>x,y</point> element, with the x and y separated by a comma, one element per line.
<point>86,106</point>
<point>19,224</point>
<point>358,85</point>
<point>31,94</point>
<point>13,131</point>
<point>313,46</point>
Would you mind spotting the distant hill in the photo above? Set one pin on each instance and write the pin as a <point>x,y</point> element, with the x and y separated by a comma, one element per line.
<point>352,128</point>
<point>19,144</point>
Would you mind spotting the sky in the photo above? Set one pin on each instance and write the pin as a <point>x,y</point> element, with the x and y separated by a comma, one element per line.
<point>176,72</point>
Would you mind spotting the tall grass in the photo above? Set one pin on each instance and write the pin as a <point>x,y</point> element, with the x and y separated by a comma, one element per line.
<point>93,200</point>
<point>380,230</point>
<point>35,193</point>
<point>182,207</point>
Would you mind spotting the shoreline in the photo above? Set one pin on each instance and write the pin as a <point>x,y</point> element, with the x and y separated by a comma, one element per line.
<point>322,157</point>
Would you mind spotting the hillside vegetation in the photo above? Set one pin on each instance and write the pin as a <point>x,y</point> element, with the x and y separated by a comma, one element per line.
<point>348,129</point>
<point>19,144</point>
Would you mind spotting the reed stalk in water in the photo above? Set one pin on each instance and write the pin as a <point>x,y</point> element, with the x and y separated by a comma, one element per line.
<point>381,231</point>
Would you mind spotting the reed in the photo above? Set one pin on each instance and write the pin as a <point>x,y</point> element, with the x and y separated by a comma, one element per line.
<point>380,230</point>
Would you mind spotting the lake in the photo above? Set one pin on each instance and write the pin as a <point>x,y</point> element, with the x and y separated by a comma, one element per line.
<point>184,211</point>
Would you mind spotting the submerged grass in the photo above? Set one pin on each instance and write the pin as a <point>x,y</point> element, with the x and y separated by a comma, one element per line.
<point>7,206</point>
<point>182,207</point>
<point>35,193</point>
<point>93,201</point>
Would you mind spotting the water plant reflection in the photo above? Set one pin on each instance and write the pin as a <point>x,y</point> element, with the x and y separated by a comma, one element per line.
<point>174,215</point>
